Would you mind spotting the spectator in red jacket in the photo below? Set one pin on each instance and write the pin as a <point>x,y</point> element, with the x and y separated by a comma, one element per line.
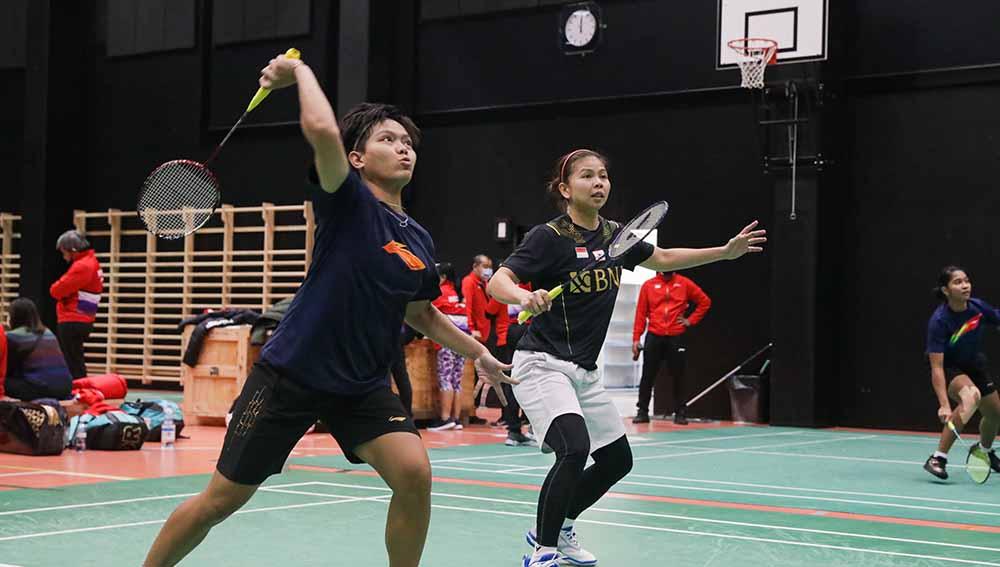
<point>77,294</point>
<point>474,295</point>
<point>509,332</point>
<point>663,301</point>
<point>450,364</point>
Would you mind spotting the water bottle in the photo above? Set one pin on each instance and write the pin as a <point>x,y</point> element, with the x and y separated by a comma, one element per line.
<point>80,439</point>
<point>168,430</point>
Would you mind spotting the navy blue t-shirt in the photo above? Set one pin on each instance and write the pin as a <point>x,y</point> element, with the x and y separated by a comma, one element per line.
<point>342,329</point>
<point>958,335</point>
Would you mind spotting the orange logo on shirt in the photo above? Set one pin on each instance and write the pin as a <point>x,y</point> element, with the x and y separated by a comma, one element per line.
<point>409,258</point>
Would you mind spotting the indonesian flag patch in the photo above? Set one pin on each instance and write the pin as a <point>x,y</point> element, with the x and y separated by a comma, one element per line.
<point>581,252</point>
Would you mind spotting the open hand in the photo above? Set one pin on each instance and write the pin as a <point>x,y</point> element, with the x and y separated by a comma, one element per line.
<point>748,240</point>
<point>491,371</point>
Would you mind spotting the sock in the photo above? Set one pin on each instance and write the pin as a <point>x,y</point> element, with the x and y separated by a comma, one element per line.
<point>540,551</point>
<point>568,525</point>
<point>940,455</point>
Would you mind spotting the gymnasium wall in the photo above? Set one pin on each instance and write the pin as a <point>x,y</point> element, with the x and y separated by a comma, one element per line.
<point>913,143</point>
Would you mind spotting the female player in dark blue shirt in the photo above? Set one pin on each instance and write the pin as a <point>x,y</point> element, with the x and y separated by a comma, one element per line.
<point>372,268</point>
<point>959,369</point>
<point>560,386</point>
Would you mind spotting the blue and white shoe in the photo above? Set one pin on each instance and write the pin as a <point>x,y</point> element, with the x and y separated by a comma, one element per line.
<point>569,548</point>
<point>543,560</point>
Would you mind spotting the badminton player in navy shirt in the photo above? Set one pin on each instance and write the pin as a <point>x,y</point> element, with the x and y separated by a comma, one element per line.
<point>959,368</point>
<point>372,268</point>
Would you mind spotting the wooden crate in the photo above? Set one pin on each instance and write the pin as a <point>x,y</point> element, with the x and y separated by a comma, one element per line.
<point>421,364</point>
<point>211,386</point>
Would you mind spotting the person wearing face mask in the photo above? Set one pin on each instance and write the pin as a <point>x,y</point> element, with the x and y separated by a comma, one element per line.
<point>664,301</point>
<point>77,294</point>
<point>474,294</point>
<point>476,302</point>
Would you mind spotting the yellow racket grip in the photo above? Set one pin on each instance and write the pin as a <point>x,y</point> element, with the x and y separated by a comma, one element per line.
<point>262,92</point>
<point>553,293</point>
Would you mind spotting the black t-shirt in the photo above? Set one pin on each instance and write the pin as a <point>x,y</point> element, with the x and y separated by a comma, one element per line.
<point>551,254</point>
<point>342,330</point>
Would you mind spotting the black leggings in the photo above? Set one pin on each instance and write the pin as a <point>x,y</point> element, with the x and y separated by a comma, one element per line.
<point>569,488</point>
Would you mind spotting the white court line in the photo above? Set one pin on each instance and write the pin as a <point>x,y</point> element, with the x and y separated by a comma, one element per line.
<point>7,565</point>
<point>22,473</point>
<point>820,490</point>
<point>679,442</point>
<point>346,500</point>
<point>68,473</point>
<point>744,492</point>
<point>736,537</point>
<point>126,501</point>
<point>731,523</point>
<point>844,458</point>
<point>738,449</point>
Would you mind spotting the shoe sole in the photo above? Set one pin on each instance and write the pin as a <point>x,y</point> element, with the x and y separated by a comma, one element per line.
<point>565,560</point>
<point>936,475</point>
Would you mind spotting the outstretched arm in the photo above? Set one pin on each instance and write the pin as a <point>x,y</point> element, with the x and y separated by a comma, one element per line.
<point>670,259</point>
<point>319,125</point>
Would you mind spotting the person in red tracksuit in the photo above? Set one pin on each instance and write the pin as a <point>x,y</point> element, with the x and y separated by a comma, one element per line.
<point>77,294</point>
<point>663,301</point>
<point>474,295</point>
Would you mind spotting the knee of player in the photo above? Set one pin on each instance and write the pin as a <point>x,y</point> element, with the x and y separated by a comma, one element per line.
<point>569,439</point>
<point>414,478</point>
<point>970,396</point>
<point>215,508</point>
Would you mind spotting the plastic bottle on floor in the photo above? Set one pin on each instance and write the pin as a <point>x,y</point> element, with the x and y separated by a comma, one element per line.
<point>80,439</point>
<point>168,430</point>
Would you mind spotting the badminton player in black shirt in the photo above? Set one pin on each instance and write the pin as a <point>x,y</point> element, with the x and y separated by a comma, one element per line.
<point>560,386</point>
<point>372,268</point>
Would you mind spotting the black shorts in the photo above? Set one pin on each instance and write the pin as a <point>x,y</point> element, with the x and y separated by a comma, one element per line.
<point>978,372</point>
<point>273,412</point>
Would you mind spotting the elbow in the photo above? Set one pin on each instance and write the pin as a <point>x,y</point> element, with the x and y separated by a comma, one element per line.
<point>319,128</point>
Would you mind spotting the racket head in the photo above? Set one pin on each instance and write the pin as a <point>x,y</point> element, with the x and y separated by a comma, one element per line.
<point>977,464</point>
<point>178,198</point>
<point>637,229</point>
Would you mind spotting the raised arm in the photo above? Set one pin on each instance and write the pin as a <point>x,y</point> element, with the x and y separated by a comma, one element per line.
<point>671,259</point>
<point>319,125</point>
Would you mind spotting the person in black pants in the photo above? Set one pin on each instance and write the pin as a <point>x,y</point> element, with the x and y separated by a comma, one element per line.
<point>511,413</point>
<point>664,301</point>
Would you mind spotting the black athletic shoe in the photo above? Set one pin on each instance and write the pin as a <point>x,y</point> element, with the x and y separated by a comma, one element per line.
<point>641,417</point>
<point>937,466</point>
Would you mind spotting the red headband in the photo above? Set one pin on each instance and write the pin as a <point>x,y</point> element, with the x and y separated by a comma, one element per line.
<point>562,170</point>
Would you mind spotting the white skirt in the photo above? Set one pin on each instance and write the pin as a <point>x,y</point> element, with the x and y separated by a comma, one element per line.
<point>551,387</point>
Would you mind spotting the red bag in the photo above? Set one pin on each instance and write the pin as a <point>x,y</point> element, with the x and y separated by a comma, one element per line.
<point>113,386</point>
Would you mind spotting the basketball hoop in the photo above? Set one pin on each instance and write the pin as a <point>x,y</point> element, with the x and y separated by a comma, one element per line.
<point>754,55</point>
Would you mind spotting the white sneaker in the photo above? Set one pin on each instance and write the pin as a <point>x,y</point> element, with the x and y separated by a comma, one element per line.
<point>569,548</point>
<point>442,426</point>
<point>542,560</point>
<point>458,425</point>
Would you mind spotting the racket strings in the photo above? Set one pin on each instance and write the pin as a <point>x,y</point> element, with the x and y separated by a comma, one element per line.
<point>177,199</point>
<point>637,229</point>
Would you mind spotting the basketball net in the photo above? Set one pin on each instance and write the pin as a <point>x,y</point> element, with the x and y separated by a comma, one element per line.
<point>755,54</point>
